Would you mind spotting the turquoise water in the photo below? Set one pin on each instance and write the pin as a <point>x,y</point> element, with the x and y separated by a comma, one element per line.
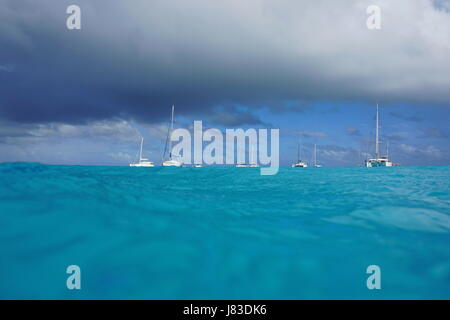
<point>224,233</point>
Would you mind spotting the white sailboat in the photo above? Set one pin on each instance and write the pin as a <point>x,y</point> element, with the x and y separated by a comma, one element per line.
<point>378,161</point>
<point>251,163</point>
<point>299,163</point>
<point>171,162</point>
<point>143,162</point>
<point>315,157</point>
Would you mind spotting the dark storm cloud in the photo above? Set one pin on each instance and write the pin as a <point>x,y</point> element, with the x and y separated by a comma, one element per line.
<point>30,132</point>
<point>233,117</point>
<point>405,117</point>
<point>442,4</point>
<point>135,59</point>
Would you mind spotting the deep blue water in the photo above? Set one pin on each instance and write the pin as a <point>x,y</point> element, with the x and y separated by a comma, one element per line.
<point>224,233</point>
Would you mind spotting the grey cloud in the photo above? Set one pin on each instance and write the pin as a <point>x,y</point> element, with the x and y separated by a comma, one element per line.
<point>425,154</point>
<point>306,134</point>
<point>313,134</point>
<point>100,142</point>
<point>134,60</point>
<point>27,133</point>
<point>233,117</point>
<point>433,133</point>
<point>396,136</point>
<point>442,5</point>
<point>6,68</point>
<point>339,155</point>
<point>405,117</point>
<point>353,131</point>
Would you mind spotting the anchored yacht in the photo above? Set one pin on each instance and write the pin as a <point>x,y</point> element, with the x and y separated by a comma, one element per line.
<point>251,163</point>
<point>378,161</point>
<point>143,162</point>
<point>170,162</point>
<point>299,163</point>
<point>315,158</point>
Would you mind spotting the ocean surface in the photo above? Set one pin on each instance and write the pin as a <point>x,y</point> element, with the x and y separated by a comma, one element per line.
<point>224,233</point>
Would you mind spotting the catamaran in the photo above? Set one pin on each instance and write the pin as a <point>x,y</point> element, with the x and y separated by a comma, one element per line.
<point>170,162</point>
<point>143,162</point>
<point>378,161</point>
<point>299,163</point>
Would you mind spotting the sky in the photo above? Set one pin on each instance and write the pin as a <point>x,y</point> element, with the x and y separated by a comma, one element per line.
<point>310,68</point>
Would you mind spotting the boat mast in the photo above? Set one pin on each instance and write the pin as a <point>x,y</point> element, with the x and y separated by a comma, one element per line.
<point>140,152</point>
<point>377,152</point>
<point>387,149</point>
<point>315,155</point>
<point>170,133</point>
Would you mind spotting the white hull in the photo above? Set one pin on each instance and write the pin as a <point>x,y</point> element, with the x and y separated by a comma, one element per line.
<point>172,163</point>
<point>372,163</point>
<point>251,163</point>
<point>254,165</point>
<point>300,164</point>
<point>142,164</point>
